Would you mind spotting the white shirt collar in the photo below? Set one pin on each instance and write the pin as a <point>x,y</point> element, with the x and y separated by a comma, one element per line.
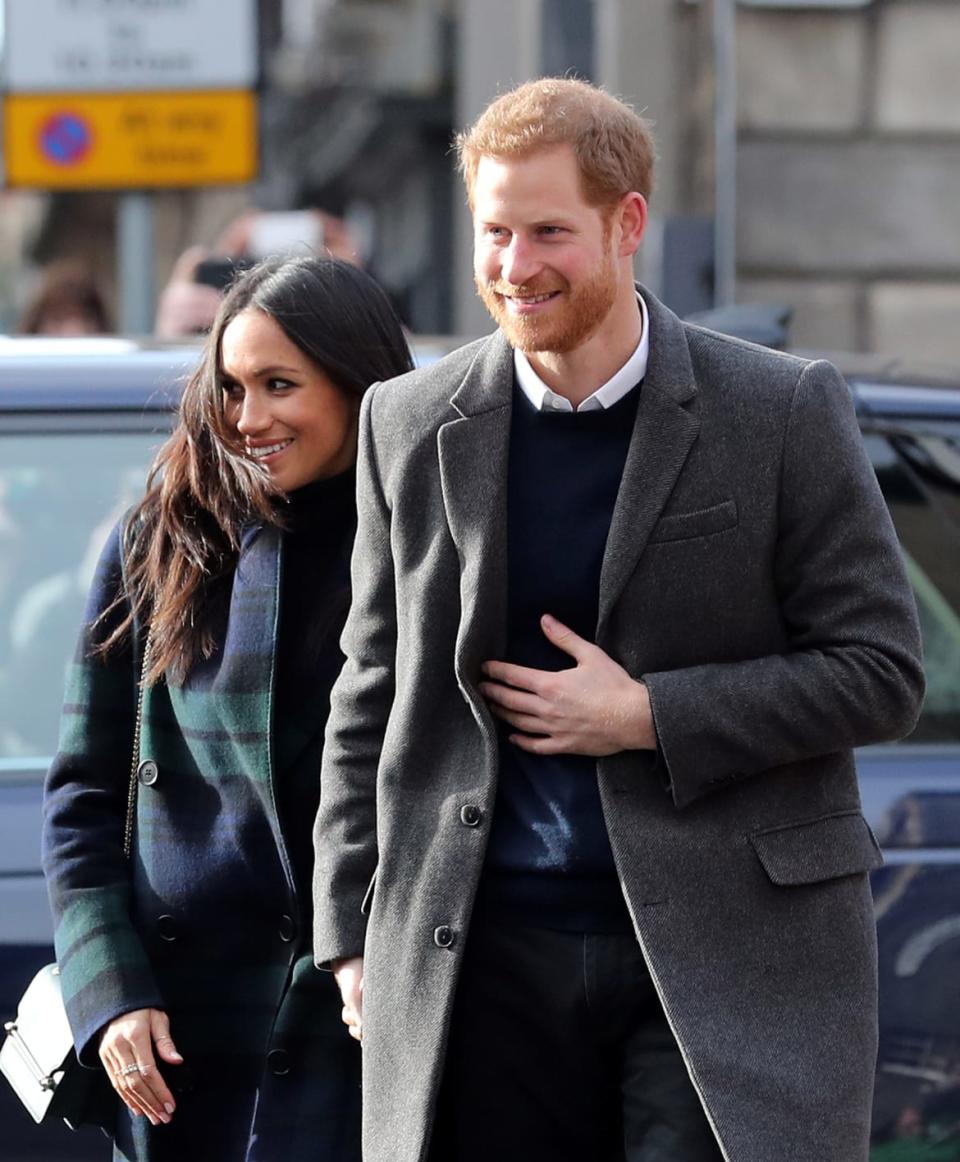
<point>630,374</point>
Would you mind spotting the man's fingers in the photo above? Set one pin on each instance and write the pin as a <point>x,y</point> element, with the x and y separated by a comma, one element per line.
<point>565,639</point>
<point>520,677</point>
<point>539,744</point>
<point>510,698</point>
<point>348,973</point>
<point>528,723</point>
<point>351,1018</point>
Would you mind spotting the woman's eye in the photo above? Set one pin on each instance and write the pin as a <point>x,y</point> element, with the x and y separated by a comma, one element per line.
<point>231,390</point>
<point>279,384</point>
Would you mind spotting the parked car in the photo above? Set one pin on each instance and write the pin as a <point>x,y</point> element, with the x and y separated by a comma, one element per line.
<point>79,424</point>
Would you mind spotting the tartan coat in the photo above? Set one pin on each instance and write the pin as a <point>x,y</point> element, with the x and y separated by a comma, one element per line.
<point>205,921</point>
<point>752,578</point>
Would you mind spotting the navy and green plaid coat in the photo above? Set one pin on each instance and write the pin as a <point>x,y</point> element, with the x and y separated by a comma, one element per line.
<point>206,921</point>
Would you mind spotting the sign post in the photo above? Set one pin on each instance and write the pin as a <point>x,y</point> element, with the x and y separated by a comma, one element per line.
<point>130,95</point>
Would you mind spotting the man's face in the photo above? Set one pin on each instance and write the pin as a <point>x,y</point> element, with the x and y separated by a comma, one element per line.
<point>543,258</point>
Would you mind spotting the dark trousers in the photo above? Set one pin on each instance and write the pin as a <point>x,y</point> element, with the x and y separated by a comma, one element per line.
<point>559,1051</point>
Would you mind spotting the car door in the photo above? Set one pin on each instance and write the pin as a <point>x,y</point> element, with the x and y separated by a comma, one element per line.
<point>911,793</point>
<point>67,473</point>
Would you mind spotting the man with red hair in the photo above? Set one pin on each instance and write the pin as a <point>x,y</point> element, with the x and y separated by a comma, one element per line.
<point>626,595</point>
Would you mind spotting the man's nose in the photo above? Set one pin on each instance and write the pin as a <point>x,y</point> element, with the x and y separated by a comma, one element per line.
<point>518,262</point>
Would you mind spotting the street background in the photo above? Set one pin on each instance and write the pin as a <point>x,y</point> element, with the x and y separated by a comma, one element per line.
<point>847,152</point>
<point>812,146</point>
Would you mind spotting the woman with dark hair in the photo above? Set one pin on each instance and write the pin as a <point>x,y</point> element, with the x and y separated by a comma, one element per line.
<point>186,968</point>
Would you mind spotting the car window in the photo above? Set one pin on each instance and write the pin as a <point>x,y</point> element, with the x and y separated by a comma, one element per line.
<point>920,479</point>
<point>60,494</point>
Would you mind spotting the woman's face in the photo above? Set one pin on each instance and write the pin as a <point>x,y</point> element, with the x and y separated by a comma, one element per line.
<point>287,414</point>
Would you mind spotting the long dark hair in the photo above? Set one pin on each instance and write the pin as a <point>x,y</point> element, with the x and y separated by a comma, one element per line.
<point>184,536</point>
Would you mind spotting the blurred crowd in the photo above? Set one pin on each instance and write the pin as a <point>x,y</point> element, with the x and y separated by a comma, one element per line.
<point>69,301</point>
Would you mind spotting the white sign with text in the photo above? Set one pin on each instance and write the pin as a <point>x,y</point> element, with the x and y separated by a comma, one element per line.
<point>122,45</point>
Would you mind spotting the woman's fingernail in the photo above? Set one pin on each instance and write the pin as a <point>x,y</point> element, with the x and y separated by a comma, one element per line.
<point>168,1107</point>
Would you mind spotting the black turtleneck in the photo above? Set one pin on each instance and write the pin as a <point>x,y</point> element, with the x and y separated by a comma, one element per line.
<point>321,521</point>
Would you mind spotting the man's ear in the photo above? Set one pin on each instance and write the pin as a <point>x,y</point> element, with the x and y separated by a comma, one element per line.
<point>632,215</point>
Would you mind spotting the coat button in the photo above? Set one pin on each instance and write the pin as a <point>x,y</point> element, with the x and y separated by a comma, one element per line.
<point>470,815</point>
<point>147,772</point>
<point>278,1062</point>
<point>287,929</point>
<point>167,928</point>
<point>444,936</point>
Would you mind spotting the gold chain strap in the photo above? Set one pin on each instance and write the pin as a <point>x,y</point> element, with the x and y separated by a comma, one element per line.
<point>135,760</point>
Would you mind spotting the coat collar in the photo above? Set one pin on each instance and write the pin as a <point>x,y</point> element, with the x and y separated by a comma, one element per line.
<point>488,384</point>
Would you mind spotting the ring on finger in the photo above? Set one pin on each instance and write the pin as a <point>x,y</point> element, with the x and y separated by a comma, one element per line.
<point>133,1067</point>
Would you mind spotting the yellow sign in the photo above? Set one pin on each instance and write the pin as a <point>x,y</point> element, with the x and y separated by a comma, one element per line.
<point>130,140</point>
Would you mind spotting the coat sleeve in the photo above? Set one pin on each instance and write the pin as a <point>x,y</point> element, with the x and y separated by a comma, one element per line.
<point>103,966</point>
<point>345,833</point>
<point>853,673</point>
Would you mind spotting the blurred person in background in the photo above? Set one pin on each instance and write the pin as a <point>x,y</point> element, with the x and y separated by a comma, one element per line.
<point>67,303</point>
<point>191,298</point>
<point>187,970</point>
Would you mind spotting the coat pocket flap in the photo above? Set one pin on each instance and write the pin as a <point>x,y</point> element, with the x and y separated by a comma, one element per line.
<point>818,849</point>
<point>682,526</point>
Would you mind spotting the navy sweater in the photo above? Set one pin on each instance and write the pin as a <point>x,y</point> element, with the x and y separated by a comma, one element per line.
<point>549,862</point>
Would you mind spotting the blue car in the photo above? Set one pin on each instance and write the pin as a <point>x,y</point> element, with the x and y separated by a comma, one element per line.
<point>80,422</point>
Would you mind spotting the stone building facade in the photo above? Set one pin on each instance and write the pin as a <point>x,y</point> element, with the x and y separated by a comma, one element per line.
<point>848,150</point>
<point>849,173</point>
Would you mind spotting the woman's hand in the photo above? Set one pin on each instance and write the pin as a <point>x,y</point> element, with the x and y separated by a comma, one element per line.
<point>348,974</point>
<point>126,1050</point>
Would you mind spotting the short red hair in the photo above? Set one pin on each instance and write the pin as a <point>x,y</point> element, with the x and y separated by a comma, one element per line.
<point>613,144</point>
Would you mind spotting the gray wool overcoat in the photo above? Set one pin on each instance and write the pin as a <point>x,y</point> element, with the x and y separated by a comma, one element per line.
<point>753,580</point>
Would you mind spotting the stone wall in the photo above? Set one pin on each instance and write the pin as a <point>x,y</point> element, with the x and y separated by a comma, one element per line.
<point>849,173</point>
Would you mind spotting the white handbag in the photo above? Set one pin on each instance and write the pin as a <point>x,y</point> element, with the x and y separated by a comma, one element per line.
<point>38,1057</point>
<point>38,1060</point>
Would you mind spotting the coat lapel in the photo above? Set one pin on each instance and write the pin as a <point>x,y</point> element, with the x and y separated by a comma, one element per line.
<point>227,699</point>
<point>664,432</point>
<point>473,475</point>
